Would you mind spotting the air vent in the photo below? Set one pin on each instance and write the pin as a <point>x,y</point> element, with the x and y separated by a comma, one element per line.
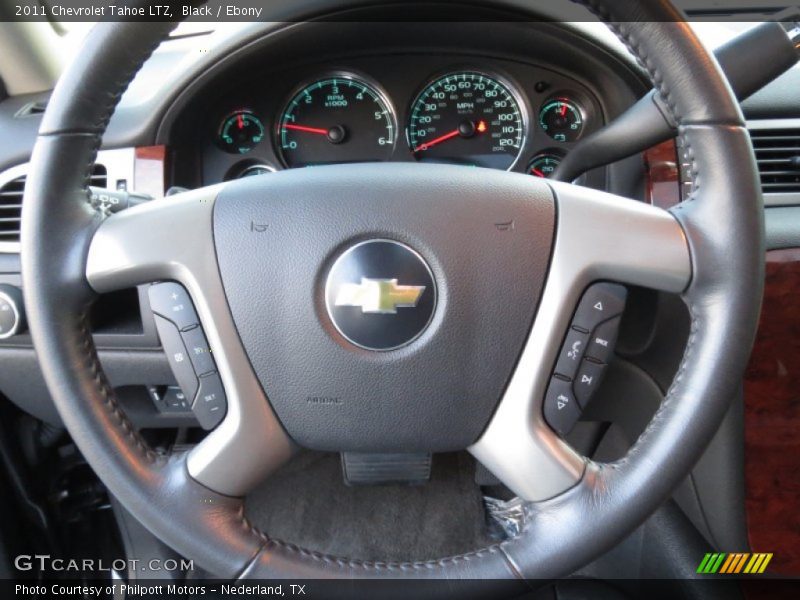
<point>10,209</point>
<point>778,156</point>
<point>11,202</point>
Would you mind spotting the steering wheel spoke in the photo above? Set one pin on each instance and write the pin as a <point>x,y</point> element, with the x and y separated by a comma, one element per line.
<point>171,239</point>
<point>598,237</point>
<point>466,227</point>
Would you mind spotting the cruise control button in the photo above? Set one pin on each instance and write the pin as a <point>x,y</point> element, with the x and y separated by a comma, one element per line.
<point>600,302</point>
<point>587,380</point>
<point>172,302</point>
<point>178,357</point>
<point>603,339</point>
<point>199,352</point>
<point>210,405</point>
<point>571,353</point>
<point>561,410</point>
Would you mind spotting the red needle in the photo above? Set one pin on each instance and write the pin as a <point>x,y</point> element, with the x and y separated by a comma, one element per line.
<point>537,172</point>
<point>316,130</point>
<point>438,140</point>
<point>563,109</point>
<point>240,121</point>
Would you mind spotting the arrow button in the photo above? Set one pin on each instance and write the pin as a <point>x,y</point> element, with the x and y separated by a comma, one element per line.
<point>561,411</point>
<point>600,302</point>
<point>587,380</point>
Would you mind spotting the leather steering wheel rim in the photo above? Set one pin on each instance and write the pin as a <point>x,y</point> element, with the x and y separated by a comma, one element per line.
<point>723,227</point>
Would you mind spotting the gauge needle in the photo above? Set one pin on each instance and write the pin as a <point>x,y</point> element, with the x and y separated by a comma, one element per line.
<point>240,121</point>
<point>438,140</point>
<point>481,127</point>
<point>537,172</point>
<point>316,130</point>
<point>563,109</point>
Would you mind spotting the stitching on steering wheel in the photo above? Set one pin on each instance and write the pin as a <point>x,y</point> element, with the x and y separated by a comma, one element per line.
<point>628,39</point>
<point>110,398</point>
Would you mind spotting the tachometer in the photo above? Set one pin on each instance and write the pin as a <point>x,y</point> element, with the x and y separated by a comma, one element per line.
<point>467,118</point>
<point>335,120</point>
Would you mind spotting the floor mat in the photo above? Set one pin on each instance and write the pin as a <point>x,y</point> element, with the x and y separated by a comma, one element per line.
<point>307,503</point>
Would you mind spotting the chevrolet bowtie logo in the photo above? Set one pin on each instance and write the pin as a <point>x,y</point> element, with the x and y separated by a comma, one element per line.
<point>379,296</point>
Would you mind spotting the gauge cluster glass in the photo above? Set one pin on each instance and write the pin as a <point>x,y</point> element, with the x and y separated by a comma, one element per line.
<point>240,132</point>
<point>544,164</point>
<point>562,119</point>
<point>467,118</point>
<point>336,120</point>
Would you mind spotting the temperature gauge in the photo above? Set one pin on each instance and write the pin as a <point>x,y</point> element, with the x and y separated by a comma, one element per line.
<point>544,164</point>
<point>562,119</point>
<point>240,132</point>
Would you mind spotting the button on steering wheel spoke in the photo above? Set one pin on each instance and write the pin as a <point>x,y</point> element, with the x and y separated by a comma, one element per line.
<point>171,239</point>
<point>598,237</point>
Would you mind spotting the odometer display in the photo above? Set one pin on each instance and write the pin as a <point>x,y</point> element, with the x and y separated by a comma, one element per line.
<point>336,120</point>
<point>467,118</point>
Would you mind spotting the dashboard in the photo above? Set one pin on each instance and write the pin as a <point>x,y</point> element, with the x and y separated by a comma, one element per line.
<point>503,95</point>
<point>489,93</point>
<point>408,107</point>
<point>498,95</point>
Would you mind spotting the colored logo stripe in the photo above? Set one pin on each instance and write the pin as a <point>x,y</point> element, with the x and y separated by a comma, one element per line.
<point>737,562</point>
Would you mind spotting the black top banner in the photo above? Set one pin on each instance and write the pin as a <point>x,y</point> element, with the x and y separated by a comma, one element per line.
<point>219,11</point>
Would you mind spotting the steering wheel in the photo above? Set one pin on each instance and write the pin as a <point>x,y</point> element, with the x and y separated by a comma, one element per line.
<point>464,365</point>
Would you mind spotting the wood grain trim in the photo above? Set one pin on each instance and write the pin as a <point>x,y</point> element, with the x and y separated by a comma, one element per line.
<point>663,175</point>
<point>150,169</point>
<point>772,418</point>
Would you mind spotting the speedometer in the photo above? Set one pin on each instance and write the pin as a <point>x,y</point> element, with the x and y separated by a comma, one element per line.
<point>467,118</point>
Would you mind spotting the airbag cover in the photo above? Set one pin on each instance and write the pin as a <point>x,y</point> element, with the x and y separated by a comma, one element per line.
<point>486,236</point>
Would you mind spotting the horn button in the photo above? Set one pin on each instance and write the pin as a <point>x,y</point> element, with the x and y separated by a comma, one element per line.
<point>383,307</point>
<point>380,295</point>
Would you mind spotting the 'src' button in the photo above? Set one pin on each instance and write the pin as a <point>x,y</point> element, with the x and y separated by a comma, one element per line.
<point>600,302</point>
<point>561,410</point>
<point>210,405</point>
<point>172,302</point>
<point>603,339</point>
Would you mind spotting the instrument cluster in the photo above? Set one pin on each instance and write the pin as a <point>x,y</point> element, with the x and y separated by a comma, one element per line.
<point>467,116</point>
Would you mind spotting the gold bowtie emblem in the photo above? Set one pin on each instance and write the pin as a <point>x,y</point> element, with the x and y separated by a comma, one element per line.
<point>379,296</point>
